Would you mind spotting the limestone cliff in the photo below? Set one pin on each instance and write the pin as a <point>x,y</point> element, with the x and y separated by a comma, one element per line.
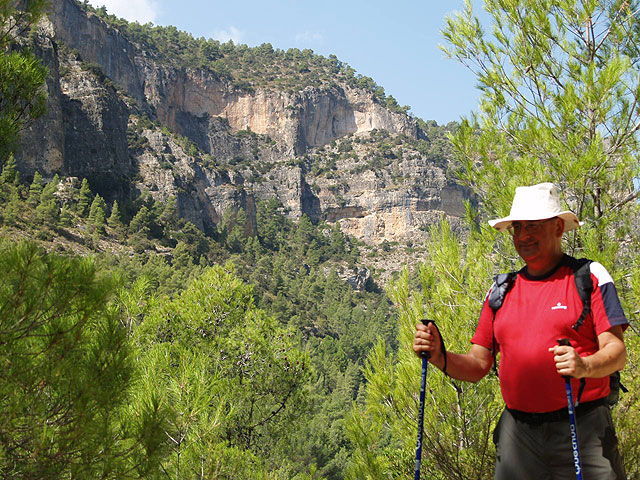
<point>132,122</point>
<point>308,118</point>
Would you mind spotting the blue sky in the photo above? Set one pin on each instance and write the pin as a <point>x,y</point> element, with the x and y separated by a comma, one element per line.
<point>395,43</point>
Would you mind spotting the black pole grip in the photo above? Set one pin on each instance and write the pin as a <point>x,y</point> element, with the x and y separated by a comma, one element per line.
<point>425,321</point>
<point>566,343</point>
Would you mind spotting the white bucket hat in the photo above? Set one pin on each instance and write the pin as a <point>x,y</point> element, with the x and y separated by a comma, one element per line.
<point>537,202</point>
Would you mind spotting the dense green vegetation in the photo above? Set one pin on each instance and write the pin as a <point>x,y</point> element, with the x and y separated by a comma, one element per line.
<point>286,281</point>
<point>67,372</point>
<point>246,67</point>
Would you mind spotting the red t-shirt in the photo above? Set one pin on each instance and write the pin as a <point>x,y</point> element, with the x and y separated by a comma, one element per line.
<point>536,313</point>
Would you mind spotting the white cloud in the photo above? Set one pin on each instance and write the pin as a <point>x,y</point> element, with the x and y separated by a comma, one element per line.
<point>309,37</point>
<point>231,33</point>
<point>142,11</point>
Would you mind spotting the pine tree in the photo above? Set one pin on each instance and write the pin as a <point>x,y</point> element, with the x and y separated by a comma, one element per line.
<point>50,189</point>
<point>314,253</point>
<point>232,377</point>
<point>9,181</point>
<point>559,88</point>
<point>271,223</point>
<point>35,190</point>
<point>10,175</point>
<point>169,218</point>
<point>337,240</point>
<point>13,208</point>
<point>454,278</point>
<point>84,199</point>
<point>22,75</point>
<point>303,234</point>
<point>236,224</point>
<point>66,216</point>
<point>115,219</point>
<point>182,257</point>
<point>97,215</point>
<point>68,371</point>
<point>48,211</point>
<point>141,223</point>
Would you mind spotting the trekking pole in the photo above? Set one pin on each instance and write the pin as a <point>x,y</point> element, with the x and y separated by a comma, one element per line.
<point>423,386</point>
<point>572,418</point>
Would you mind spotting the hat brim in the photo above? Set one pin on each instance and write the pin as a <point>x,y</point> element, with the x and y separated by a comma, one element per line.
<point>571,221</point>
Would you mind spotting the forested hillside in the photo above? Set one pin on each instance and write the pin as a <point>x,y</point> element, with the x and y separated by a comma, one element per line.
<point>289,287</point>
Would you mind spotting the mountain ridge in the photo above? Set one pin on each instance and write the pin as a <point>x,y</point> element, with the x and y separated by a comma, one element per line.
<point>242,143</point>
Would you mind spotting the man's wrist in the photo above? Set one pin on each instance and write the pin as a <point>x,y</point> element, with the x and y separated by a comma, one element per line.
<point>586,368</point>
<point>439,362</point>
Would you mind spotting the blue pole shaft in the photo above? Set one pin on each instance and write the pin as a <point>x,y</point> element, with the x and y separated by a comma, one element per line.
<point>423,386</point>
<point>573,430</point>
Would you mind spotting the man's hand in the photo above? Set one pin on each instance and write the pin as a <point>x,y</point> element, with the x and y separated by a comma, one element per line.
<point>609,358</point>
<point>427,339</point>
<point>568,362</point>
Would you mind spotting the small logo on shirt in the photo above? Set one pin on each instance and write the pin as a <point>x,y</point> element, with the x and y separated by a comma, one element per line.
<point>559,306</point>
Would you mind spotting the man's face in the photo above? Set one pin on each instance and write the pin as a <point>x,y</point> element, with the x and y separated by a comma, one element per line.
<point>537,240</point>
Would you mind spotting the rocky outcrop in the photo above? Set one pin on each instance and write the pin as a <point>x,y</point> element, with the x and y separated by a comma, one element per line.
<point>392,203</point>
<point>328,115</point>
<point>98,44</point>
<point>42,148</point>
<point>359,278</point>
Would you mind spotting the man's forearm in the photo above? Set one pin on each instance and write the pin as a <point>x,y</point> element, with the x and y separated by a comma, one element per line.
<point>468,367</point>
<point>610,358</point>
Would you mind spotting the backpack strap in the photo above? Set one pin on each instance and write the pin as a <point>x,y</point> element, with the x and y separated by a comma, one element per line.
<point>502,283</point>
<point>584,286</point>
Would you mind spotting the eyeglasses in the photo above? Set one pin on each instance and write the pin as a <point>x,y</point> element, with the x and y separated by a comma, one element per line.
<point>529,227</point>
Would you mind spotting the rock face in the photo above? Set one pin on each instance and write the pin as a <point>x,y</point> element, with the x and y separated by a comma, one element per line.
<point>84,132</point>
<point>132,124</point>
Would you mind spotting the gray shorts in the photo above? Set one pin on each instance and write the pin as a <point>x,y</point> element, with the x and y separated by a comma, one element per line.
<point>539,451</point>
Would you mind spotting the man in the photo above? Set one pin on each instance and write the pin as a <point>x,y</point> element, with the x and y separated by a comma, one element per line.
<point>532,437</point>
